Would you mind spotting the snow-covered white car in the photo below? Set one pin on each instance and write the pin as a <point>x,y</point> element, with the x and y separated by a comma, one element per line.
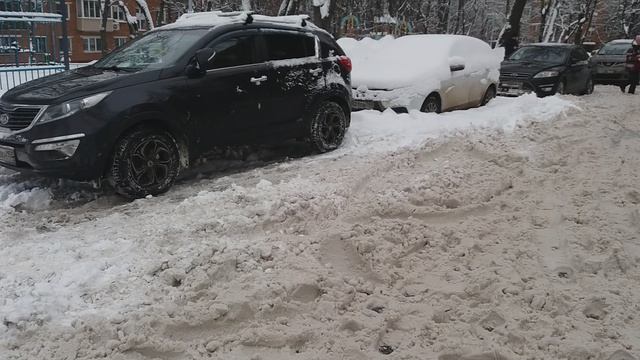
<point>430,73</point>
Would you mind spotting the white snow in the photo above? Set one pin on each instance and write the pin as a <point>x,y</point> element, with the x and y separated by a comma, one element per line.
<point>414,59</point>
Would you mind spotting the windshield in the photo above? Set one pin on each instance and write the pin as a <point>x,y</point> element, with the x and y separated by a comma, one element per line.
<point>540,54</point>
<point>156,50</point>
<point>615,49</point>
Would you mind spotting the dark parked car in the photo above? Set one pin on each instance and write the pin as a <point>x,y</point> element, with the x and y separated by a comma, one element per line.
<point>609,63</point>
<point>546,69</point>
<point>140,114</point>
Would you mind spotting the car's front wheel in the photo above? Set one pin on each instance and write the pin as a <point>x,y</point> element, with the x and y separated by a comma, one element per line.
<point>432,104</point>
<point>562,89</point>
<point>145,162</point>
<point>590,87</point>
<point>328,126</point>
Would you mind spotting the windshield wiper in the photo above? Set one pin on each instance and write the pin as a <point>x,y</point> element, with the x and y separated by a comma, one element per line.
<point>117,68</point>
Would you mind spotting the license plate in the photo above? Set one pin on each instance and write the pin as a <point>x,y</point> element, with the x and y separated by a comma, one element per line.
<point>7,155</point>
<point>511,85</point>
<point>364,105</point>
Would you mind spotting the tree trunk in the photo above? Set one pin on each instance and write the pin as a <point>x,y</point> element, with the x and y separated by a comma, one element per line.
<point>443,15</point>
<point>460,19</point>
<point>103,26</point>
<point>511,35</point>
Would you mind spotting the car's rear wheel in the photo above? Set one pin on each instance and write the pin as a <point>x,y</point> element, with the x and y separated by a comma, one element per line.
<point>328,126</point>
<point>489,95</point>
<point>145,162</point>
<point>432,104</point>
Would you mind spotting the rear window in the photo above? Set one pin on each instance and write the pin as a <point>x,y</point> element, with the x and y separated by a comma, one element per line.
<point>283,45</point>
<point>329,48</point>
<point>615,49</point>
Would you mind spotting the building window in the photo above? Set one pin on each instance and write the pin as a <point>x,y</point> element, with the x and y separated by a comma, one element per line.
<point>39,44</point>
<point>142,20</point>
<point>90,9</point>
<point>120,41</point>
<point>117,13</point>
<point>8,42</point>
<point>92,44</point>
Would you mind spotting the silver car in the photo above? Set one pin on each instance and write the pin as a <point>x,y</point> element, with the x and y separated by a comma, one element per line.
<point>428,73</point>
<point>609,63</point>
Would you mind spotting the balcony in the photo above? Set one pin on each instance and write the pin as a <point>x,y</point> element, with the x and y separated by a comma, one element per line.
<point>94,25</point>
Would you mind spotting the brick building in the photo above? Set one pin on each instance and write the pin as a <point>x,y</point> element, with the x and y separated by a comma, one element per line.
<point>38,43</point>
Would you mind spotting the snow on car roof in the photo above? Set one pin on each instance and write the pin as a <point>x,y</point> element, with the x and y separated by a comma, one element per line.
<point>622,41</point>
<point>217,18</point>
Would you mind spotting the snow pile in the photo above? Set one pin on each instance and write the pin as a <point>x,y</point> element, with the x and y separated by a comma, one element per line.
<point>21,195</point>
<point>373,131</point>
<point>391,63</point>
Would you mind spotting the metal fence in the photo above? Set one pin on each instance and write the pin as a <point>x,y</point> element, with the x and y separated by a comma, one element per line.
<point>14,76</point>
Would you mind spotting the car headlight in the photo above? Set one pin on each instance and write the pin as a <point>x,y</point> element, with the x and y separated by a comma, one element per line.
<point>69,108</point>
<point>546,74</point>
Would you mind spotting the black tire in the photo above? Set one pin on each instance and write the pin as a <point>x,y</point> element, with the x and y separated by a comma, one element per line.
<point>145,162</point>
<point>432,104</point>
<point>590,86</point>
<point>489,95</point>
<point>328,126</point>
<point>562,88</point>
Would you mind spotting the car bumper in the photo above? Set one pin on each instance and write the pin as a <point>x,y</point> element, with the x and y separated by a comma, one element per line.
<point>68,148</point>
<point>519,86</point>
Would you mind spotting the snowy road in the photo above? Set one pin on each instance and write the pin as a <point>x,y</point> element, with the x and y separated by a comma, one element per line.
<point>510,230</point>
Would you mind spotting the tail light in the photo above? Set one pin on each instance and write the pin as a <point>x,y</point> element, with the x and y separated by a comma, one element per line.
<point>345,63</point>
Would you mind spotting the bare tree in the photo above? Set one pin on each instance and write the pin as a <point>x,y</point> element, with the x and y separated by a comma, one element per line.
<point>510,37</point>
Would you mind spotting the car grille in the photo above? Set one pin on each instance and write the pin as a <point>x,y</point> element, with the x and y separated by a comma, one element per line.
<point>17,118</point>
<point>508,75</point>
<point>610,63</point>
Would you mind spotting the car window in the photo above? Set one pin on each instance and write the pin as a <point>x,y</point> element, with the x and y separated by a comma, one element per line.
<point>285,45</point>
<point>578,55</point>
<point>547,54</point>
<point>155,50</point>
<point>234,51</point>
<point>615,49</point>
<point>328,49</point>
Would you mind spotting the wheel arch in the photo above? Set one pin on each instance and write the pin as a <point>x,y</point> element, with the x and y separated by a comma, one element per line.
<point>438,96</point>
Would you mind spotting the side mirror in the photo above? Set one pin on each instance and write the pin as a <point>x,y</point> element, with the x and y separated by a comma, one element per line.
<point>204,57</point>
<point>456,64</point>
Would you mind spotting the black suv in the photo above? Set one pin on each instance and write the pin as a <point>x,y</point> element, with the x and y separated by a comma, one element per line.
<point>143,112</point>
<point>546,69</point>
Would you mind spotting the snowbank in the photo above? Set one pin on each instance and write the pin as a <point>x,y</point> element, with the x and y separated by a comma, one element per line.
<point>373,131</point>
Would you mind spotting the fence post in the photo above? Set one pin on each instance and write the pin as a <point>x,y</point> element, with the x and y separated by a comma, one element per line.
<point>65,34</point>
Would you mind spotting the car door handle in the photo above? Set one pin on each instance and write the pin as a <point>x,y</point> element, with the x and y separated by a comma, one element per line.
<point>258,80</point>
<point>315,71</point>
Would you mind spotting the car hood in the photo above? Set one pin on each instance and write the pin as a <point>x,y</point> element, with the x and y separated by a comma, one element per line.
<point>522,67</point>
<point>71,84</point>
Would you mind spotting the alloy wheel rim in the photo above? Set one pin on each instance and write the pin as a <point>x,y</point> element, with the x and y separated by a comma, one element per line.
<point>150,162</point>
<point>432,106</point>
<point>331,128</point>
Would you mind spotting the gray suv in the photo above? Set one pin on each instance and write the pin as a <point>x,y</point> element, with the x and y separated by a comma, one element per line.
<point>609,64</point>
